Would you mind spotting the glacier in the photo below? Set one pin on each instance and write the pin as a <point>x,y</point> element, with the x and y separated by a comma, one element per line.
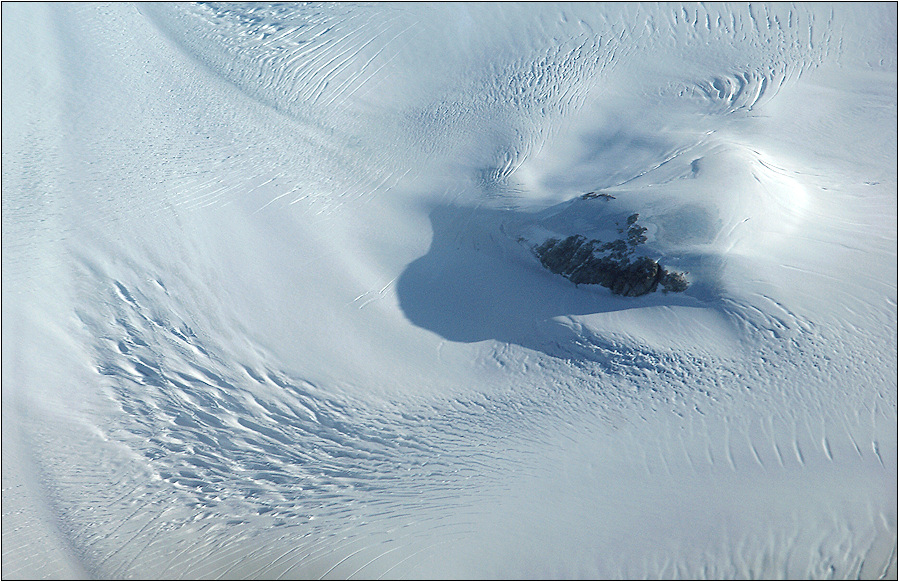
<point>271,310</point>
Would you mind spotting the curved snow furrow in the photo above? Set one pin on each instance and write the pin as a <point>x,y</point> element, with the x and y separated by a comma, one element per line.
<point>737,92</point>
<point>352,84</point>
<point>518,99</point>
<point>323,556</point>
<point>783,54</point>
<point>200,404</point>
<point>205,425</point>
<point>208,543</point>
<point>319,75</point>
<point>196,405</point>
<point>296,60</point>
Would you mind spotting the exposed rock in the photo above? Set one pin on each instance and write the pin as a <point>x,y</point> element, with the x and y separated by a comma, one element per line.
<point>674,282</point>
<point>609,264</point>
<point>602,195</point>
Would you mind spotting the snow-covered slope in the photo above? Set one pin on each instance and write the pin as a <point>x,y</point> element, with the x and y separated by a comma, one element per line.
<point>271,308</point>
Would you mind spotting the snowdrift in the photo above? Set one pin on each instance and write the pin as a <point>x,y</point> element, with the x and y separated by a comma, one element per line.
<point>271,307</point>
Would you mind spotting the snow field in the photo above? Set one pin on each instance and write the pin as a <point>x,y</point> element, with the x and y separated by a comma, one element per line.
<point>270,309</point>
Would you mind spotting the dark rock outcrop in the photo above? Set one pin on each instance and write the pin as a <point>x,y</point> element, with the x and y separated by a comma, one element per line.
<point>601,195</point>
<point>674,282</point>
<point>609,264</point>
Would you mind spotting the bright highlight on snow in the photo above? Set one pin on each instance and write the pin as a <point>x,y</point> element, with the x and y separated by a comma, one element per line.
<point>333,290</point>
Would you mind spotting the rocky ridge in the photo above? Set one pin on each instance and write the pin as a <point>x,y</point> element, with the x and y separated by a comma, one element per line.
<point>610,264</point>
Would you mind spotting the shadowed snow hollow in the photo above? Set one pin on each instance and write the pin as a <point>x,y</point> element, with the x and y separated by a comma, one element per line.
<point>272,308</point>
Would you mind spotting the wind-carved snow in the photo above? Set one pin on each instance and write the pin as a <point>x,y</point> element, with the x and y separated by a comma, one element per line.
<point>272,310</point>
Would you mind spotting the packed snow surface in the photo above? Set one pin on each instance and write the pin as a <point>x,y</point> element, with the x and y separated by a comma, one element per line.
<point>271,307</point>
